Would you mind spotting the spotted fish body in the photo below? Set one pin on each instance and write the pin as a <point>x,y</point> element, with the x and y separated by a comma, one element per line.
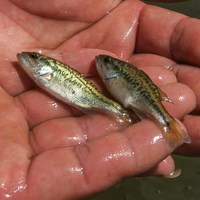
<point>68,85</point>
<point>134,89</point>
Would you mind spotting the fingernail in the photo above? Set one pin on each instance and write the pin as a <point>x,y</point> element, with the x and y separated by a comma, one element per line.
<point>174,174</point>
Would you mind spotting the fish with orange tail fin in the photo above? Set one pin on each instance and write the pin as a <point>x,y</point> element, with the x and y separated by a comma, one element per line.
<point>134,89</point>
<point>175,132</point>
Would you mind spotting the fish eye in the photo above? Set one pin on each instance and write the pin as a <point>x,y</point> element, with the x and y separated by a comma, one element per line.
<point>33,55</point>
<point>107,59</point>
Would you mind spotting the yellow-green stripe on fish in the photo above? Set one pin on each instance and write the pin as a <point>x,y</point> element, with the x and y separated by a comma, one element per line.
<point>68,85</point>
<point>134,89</point>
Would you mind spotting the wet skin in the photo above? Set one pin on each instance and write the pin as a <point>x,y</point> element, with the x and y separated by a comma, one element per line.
<point>52,151</point>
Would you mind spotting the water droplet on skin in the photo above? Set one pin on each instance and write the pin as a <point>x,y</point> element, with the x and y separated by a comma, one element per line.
<point>116,125</point>
<point>129,31</point>
<point>160,78</point>
<point>157,138</point>
<point>19,186</point>
<point>111,126</point>
<point>77,139</point>
<point>121,55</point>
<point>76,169</point>
<point>40,51</point>
<point>118,155</point>
<point>7,196</point>
<point>53,104</point>
<point>181,98</point>
<point>168,67</point>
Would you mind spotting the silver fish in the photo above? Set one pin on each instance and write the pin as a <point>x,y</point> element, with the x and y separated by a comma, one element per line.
<point>134,89</point>
<point>68,85</point>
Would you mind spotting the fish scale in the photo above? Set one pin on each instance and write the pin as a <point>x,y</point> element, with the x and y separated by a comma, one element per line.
<point>145,87</point>
<point>69,86</point>
<point>139,93</point>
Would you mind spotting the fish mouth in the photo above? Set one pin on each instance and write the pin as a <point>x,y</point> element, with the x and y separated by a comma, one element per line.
<point>19,57</point>
<point>23,58</point>
<point>100,58</point>
<point>100,62</point>
<point>99,65</point>
<point>26,62</point>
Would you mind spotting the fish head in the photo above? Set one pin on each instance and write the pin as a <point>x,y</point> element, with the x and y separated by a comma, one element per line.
<point>35,65</point>
<point>108,67</point>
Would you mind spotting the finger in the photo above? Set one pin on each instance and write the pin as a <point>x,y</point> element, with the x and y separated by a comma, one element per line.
<point>17,17</point>
<point>159,75</point>
<point>178,35</point>
<point>151,60</point>
<point>192,125</point>
<point>10,116</point>
<point>164,168</point>
<point>183,98</point>
<point>185,41</point>
<point>157,67</point>
<point>167,1</point>
<point>39,107</point>
<point>14,80</point>
<point>75,131</point>
<point>98,164</point>
<point>69,10</point>
<point>190,76</point>
<point>71,131</point>
<point>118,35</point>
<point>15,152</point>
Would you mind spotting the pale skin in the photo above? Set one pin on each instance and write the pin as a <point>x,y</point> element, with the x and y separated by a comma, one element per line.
<point>52,151</point>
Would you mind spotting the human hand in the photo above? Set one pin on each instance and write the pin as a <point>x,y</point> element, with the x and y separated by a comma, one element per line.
<point>52,151</point>
<point>167,1</point>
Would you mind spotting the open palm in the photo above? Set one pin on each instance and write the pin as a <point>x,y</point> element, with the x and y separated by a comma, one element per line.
<point>52,151</point>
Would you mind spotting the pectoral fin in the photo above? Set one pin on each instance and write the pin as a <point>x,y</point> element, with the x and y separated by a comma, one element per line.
<point>112,75</point>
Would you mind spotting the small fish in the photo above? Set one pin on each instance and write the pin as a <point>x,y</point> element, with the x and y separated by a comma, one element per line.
<point>68,85</point>
<point>134,89</point>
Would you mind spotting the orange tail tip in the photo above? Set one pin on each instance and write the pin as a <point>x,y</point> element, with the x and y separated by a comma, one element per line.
<point>176,134</point>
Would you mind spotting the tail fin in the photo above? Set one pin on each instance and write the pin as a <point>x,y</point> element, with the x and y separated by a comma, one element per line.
<point>176,133</point>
